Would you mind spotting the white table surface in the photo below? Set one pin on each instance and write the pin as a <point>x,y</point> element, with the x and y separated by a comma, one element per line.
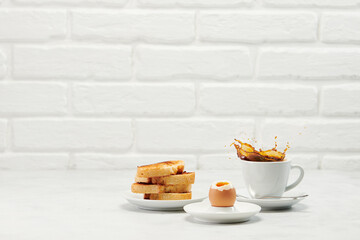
<point>88,205</point>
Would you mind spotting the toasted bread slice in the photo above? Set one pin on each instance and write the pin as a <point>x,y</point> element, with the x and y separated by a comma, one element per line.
<point>168,196</point>
<point>144,179</point>
<point>160,169</point>
<point>184,178</point>
<point>146,188</point>
<point>152,188</point>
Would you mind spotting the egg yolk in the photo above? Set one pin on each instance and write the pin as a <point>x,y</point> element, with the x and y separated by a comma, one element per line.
<point>220,184</point>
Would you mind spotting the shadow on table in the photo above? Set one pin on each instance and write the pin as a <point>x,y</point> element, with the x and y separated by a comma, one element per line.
<point>131,208</point>
<point>297,208</point>
<point>252,220</point>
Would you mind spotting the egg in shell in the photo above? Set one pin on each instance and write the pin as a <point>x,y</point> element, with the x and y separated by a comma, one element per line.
<point>222,194</point>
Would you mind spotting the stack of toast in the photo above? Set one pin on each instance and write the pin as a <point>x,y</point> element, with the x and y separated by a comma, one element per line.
<point>164,181</point>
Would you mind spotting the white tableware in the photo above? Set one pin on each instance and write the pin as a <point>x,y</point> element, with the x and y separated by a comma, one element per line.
<point>272,203</point>
<point>160,205</point>
<point>203,211</point>
<point>268,178</point>
<point>269,197</point>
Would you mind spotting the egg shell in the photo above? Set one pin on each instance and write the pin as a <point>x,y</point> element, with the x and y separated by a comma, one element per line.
<point>225,198</point>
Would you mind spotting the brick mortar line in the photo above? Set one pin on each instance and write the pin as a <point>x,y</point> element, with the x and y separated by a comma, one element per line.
<point>71,164</point>
<point>9,140</point>
<point>319,27</point>
<point>178,82</point>
<point>133,149</point>
<point>8,136</point>
<point>320,159</point>
<point>319,100</point>
<point>234,82</point>
<point>163,153</point>
<point>240,117</point>
<point>69,85</point>
<point>133,5</point>
<point>154,154</point>
<point>196,40</point>
<point>134,64</point>
<point>221,45</point>
<point>69,26</point>
<point>174,82</point>
<point>69,100</point>
<point>10,69</point>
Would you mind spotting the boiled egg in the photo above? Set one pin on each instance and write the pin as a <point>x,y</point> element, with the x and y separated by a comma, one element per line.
<point>222,194</point>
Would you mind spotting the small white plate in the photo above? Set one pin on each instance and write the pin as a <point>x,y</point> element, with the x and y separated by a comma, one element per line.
<point>271,203</point>
<point>160,205</point>
<point>241,212</point>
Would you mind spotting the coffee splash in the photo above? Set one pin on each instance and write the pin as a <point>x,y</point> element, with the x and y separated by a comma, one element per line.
<point>247,152</point>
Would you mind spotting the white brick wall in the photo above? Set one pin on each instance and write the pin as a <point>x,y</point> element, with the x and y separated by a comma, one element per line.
<point>116,161</point>
<point>257,27</point>
<point>192,136</point>
<point>341,100</point>
<point>312,3</point>
<point>258,99</point>
<point>31,25</point>
<point>72,62</point>
<point>34,161</point>
<point>130,26</point>
<point>309,63</point>
<point>193,3</point>
<point>118,3</point>
<point>86,135</point>
<point>26,98</point>
<point>340,27</point>
<point>315,134</point>
<point>134,100</point>
<point>192,62</point>
<point>112,84</point>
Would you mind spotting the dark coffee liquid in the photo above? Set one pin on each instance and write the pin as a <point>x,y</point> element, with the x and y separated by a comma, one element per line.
<point>248,153</point>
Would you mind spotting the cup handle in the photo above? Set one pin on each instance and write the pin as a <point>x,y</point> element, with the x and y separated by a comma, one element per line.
<point>291,186</point>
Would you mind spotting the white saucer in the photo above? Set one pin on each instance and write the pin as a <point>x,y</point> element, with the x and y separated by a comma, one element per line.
<point>271,203</point>
<point>241,212</point>
<point>160,205</point>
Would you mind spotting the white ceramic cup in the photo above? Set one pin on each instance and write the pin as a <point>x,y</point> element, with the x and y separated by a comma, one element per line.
<point>268,179</point>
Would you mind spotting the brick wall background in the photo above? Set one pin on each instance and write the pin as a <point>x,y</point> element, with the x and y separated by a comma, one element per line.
<point>111,84</point>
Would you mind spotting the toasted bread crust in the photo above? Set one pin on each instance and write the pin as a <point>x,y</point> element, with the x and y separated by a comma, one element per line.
<point>146,188</point>
<point>184,178</point>
<point>168,196</point>
<point>151,188</point>
<point>160,169</point>
<point>142,179</point>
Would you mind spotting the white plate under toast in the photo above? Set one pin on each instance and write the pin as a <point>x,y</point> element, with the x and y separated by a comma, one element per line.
<point>240,212</point>
<point>160,205</point>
